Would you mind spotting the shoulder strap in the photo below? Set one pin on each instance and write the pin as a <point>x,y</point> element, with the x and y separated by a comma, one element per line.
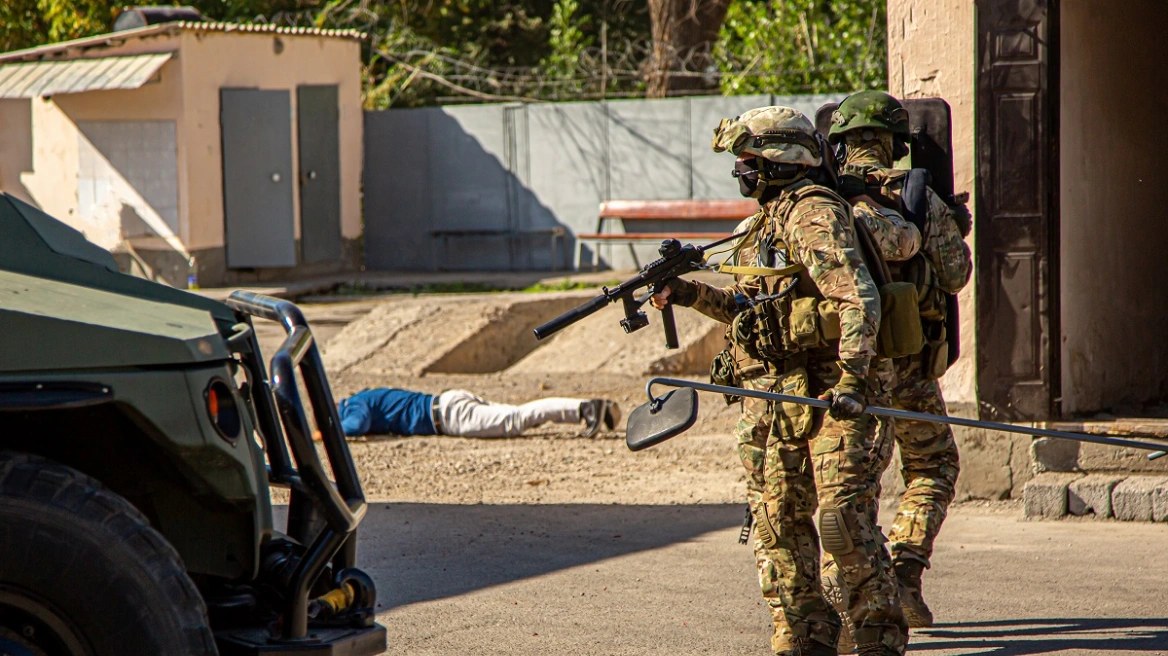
<point>915,197</point>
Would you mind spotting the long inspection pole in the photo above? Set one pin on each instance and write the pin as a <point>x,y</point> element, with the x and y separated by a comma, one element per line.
<point>1157,449</point>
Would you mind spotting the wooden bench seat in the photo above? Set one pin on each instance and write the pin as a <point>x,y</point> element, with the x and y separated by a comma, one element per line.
<point>662,210</point>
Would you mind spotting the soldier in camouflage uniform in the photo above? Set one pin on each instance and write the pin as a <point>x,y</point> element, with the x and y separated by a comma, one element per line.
<point>898,240</point>
<point>874,128</point>
<point>804,247</point>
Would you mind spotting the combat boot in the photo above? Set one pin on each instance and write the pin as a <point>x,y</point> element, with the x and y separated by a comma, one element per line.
<point>877,649</point>
<point>836,593</point>
<point>912,600</point>
<point>808,647</point>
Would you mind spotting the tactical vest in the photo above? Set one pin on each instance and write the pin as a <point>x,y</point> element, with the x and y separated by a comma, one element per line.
<point>794,316</point>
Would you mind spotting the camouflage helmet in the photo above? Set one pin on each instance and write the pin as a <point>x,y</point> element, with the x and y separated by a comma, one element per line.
<point>868,109</point>
<point>779,134</point>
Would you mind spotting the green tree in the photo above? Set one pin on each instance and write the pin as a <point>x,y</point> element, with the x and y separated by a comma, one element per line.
<point>803,46</point>
<point>566,43</point>
<point>30,23</point>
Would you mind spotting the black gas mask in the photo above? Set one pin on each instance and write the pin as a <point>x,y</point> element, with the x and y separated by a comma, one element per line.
<point>759,176</point>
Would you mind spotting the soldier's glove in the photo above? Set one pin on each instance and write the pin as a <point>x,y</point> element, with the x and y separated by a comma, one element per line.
<point>847,397</point>
<point>962,218</point>
<point>681,292</point>
<point>851,185</point>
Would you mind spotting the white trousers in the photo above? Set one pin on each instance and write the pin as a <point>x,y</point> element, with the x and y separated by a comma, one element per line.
<point>466,415</point>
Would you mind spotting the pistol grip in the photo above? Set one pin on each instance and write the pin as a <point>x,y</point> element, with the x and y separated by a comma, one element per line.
<point>670,327</point>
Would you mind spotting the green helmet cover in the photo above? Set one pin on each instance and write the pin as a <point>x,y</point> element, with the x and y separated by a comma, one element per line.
<point>868,109</point>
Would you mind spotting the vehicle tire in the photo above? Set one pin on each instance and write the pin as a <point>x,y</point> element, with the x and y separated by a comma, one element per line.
<point>82,573</point>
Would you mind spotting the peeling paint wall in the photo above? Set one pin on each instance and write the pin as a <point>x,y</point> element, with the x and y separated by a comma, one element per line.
<point>1114,97</point>
<point>931,53</point>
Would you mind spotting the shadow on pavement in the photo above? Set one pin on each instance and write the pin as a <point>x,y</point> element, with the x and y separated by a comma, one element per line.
<point>1023,637</point>
<point>419,552</point>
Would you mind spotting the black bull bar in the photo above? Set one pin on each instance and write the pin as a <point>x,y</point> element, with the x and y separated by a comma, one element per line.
<point>341,506</point>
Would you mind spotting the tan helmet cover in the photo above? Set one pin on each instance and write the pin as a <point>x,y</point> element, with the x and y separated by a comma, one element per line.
<point>779,134</point>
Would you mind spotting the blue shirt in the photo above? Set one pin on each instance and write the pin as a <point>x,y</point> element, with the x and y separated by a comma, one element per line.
<point>386,410</point>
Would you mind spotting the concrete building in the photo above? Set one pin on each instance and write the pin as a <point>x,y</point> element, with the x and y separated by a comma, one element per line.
<point>237,145</point>
<point>1058,110</point>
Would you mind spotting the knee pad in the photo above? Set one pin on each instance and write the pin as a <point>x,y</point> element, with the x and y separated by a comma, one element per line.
<point>766,526</point>
<point>834,534</point>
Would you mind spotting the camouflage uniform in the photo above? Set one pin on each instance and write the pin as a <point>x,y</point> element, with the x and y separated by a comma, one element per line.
<point>811,459</point>
<point>928,451</point>
<point>870,123</point>
<point>898,240</point>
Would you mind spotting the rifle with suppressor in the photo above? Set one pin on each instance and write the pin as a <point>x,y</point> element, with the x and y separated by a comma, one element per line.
<point>675,261</point>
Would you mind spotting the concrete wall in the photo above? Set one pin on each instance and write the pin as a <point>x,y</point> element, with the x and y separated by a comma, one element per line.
<point>537,166</point>
<point>1114,99</point>
<point>931,53</point>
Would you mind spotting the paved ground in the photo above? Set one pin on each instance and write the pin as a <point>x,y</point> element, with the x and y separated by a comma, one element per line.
<point>549,544</point>
<point>621,579</point>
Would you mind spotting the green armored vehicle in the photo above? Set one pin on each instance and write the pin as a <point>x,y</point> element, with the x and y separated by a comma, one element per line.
<point>140,436</point>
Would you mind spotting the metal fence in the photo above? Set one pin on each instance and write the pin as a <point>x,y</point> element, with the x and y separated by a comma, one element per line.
<point>482,187</point>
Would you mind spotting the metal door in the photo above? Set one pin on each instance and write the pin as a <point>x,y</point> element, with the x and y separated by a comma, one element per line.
<point>1017,209</point>
<point>320,174</point>
<point>257,178</point>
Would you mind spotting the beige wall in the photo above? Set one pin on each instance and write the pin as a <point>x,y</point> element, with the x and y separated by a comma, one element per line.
<point>212,60</point>
<point>1114,233</point>
<point>931,53</point>
<point>15,145</point>
<point>51,181</point>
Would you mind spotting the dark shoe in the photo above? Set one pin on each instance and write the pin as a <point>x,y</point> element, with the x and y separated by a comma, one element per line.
<point>809,647</point>
<point>837,595</point>
<point>592,413</point>
<point>877,649</point>
<point>612,415</point>
<point>912,600</point>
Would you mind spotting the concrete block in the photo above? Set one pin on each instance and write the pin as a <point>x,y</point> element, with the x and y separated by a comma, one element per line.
<point>1045,495</point>
<point>1091,495</point>
<point>1054,455</point>
<point>1131,500</point>
<point>1160,504</point>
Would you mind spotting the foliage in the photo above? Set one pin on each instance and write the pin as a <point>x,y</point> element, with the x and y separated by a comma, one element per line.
<point>566,40</point>
<point>424,52</point>
<point>29,23</point>
<point>802,46</point>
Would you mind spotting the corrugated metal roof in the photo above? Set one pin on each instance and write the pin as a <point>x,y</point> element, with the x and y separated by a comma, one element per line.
<point>47,78</point>
<point>76,46</point>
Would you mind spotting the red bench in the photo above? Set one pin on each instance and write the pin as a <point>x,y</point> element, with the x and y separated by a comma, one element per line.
<point>662,210</point>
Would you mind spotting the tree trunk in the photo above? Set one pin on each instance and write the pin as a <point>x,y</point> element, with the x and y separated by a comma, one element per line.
<point>684,32</point>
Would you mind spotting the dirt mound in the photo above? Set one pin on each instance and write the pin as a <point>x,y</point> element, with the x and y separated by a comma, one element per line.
<point>599,344</point>
<point>456,333</point>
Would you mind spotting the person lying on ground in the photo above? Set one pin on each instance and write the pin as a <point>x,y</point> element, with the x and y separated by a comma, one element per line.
<point>386,410</point>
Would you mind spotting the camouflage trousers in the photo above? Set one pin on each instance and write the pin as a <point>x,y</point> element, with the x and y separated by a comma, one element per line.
<point>929,465</point>
<point>798,460</point>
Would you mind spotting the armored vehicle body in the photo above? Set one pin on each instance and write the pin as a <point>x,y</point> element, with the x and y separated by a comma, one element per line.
<point>141,434</point>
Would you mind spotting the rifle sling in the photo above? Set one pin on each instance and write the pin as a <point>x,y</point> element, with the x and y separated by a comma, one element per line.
<point>760,271</point>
